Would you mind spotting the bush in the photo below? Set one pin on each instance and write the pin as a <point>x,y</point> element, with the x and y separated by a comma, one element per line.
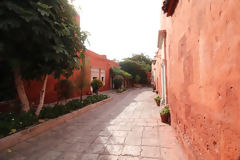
<point>11,122</point>
<point>117,83</point>
<point>165,110</point>
<point>74,104</point>
<point>64,89</point>
<point>137,78</point>
<point>96,84</point>
<point>58,110</point>
<point>94,99</point>
<point>157,99</point>
<point>121,90</point>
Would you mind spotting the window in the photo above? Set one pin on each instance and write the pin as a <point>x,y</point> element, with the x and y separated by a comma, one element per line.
<point>103,76</point>
<point>94,73</point>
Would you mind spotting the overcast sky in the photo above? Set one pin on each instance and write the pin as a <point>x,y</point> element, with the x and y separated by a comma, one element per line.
<point>119,28</point>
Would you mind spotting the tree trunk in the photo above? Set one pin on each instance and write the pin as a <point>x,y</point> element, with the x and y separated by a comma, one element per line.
<point>42,96</point>
<point>21,91</point>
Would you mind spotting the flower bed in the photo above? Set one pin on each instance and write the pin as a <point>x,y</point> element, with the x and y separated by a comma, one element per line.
<point>12,122</point>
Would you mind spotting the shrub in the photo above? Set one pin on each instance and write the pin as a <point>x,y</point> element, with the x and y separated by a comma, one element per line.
<point>74,104</point>
<point>11,122</point>
<point>117,83</point>
<point>53,112</point>
<point>64,89</point>
<point>121,90</point>
<point>157,99</point>
<point>96,84</point>
<point>165,110</point>
<point>58,110</point>
<point>94,99</point>
<point>137,78</point>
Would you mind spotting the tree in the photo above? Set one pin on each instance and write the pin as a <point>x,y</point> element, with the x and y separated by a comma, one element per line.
<point>134,69</point>
<point>64,88</point>
<point>137,78</point>
<point>117,83</point>
<point>8,91</point>
<point>39,38</point>
<point>83,79</point>
<point>143,60</point>
<point>96,84</point>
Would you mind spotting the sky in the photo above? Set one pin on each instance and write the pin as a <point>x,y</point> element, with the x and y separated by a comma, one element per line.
<point>120,28</point>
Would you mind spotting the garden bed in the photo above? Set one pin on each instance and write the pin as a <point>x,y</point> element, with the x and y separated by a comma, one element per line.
<point>35,127</point>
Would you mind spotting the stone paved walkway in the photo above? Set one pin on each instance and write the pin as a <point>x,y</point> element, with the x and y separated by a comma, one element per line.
<point>127,128</point>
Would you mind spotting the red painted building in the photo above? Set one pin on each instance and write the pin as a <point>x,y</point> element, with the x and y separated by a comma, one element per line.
<point>99,67</point>
<point>197,72</point>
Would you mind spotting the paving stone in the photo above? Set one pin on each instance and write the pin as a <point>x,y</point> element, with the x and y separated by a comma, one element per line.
<point>96,148</point>
<point>51,155</point>
<point>151,152</point>
<point>128,158</point>
<point>107,157</point>
<point>69,156</point>
<point>78,147</point>
<point>119,133</point>
<point>131,150</point>
<point>101,139</point>
<point>150,142</point>
<point>135,133</point>
<point>113,149</point>
<point>116,140</point>
<point>133,140</point>
<point>152,159</point>
<point>62,147</point>
<point>125,128</point>
<point>105,133</point>
<point>89,157</point>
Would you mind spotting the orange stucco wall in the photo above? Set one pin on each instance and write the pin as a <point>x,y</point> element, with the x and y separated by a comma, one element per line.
<point>156,71</point>
<point>203,58</point>
<point>98,61</point>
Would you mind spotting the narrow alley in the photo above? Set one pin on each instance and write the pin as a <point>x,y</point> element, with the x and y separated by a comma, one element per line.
<point>127,128</point>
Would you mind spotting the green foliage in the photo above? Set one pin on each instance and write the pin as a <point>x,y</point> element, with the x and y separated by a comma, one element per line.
<point>12,121</point>
<point>96,84</point>
<point>165,110</point>
<point>74,104</point>
<point>142,60</point>
<point>40,37</point>
<point>53,112</point>
<point>121,90</point>
<point>64,89</point>
<point>137,78</point>
<point>156,91</point>
<point>117,83</point>
<point>118,71</point>
<point>7,88</point>
<point>94,98</point>
<point>58,110</point>
<point>134,69</point>
<point>157,99</point>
